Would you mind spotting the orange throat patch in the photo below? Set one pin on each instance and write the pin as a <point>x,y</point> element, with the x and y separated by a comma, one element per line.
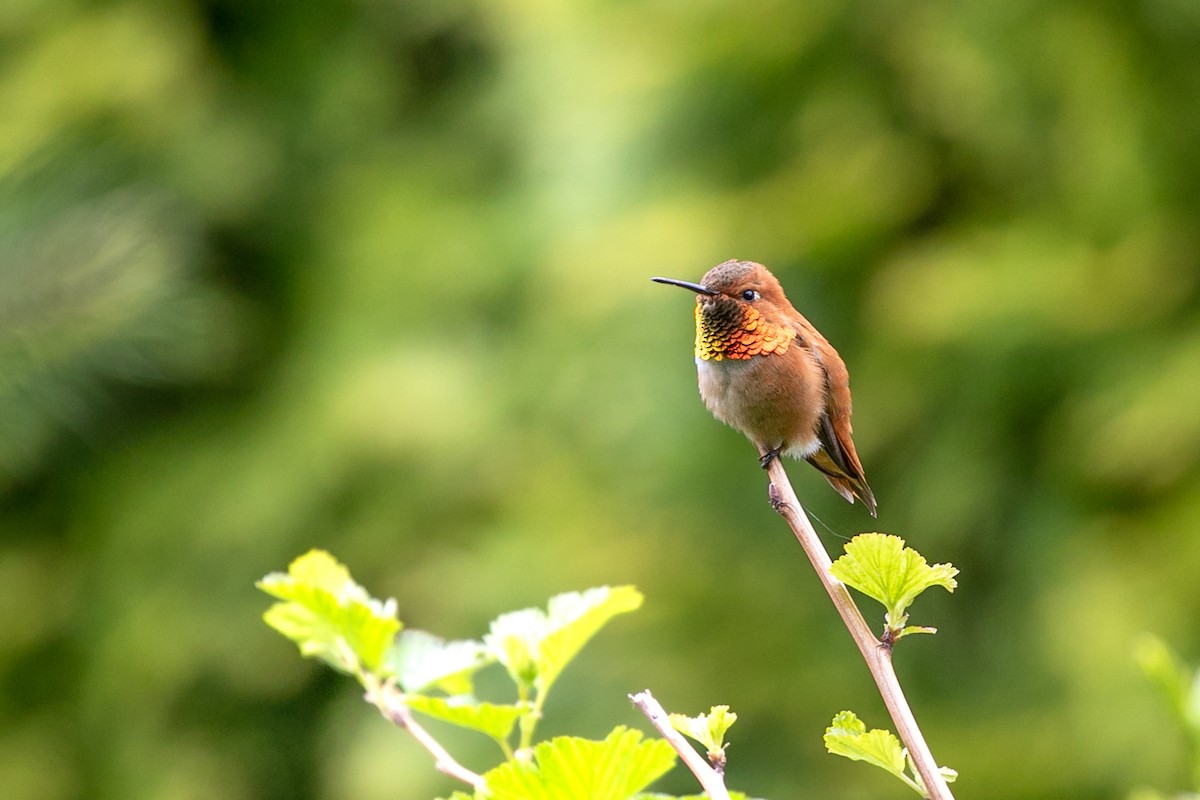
<point>740,333</point>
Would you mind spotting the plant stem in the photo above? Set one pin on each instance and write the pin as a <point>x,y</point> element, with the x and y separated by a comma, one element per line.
<point>877,655</point>
<point>710,780</point>
<point>530,718</point>
<point>392,706</point>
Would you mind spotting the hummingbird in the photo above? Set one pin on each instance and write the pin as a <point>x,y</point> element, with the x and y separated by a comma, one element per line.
<point>765,371</point>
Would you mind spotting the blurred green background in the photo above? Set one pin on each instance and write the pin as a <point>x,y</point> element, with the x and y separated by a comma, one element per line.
<point>373,276</point>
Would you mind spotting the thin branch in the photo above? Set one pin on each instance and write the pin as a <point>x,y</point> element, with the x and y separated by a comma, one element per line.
<point>394,710</point>
<point>877,654</point>
<point>711,781</point>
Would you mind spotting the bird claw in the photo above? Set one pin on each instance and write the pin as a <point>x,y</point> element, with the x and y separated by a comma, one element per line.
<point>766,458</point>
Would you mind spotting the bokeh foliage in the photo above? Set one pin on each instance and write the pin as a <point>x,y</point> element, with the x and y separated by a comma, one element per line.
<point>372,276</point>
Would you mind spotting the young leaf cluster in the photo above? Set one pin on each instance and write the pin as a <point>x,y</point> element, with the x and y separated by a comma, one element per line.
<point>881,567</point>
<point>709,730</point>
<point>330,617</point>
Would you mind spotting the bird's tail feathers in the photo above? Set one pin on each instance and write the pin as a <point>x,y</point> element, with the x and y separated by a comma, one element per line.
<point>848,486</point>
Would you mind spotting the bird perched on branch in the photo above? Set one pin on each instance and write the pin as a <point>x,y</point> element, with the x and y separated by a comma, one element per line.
<point>766,371</point>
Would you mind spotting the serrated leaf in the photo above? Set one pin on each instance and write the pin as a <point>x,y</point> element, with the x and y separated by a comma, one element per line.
<point>494,720</point>
<point>328,615</point>
<point>535,645</point>
<point>848,736</point>
<point>707,729</point>
<point>420,660</point>
<point>570,768</point>
<point>881,567</point>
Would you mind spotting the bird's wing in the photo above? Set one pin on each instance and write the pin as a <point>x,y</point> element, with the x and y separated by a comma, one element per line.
<point>834,427</point>
<point>837,457</point>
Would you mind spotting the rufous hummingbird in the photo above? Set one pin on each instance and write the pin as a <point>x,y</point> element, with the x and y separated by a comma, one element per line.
<point>766,371</point>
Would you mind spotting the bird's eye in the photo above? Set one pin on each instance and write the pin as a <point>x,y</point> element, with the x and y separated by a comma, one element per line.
<point>749,295</point>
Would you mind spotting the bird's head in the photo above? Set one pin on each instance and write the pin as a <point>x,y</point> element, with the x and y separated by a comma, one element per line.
<point>741,312</point>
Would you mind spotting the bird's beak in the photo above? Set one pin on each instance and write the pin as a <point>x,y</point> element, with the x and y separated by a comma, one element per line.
<point>695,287</point>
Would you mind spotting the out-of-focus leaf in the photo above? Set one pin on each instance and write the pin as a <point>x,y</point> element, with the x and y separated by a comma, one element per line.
<point>328,615</point>
<point>514,640</point>
<point>535,645</point>
<point>494,720</point>
<point>420,660</point>
<point>1163,669</point>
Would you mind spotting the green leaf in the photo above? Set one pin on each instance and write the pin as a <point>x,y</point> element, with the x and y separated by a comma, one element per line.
<point>492,719</point>
<point>328,615</point>
<point>848,736</point>
<point>1146,793</point>
<point>881,567</point>
<point>535,645</point>
<point>420,660</point>
<point>514,639</point>
<point>570,768</point>
<point>707,729</point>
<point>908,629</point>
<point>1163,669</point>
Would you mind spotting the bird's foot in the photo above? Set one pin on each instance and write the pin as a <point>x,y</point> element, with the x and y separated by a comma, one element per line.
<point>766,458</point>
